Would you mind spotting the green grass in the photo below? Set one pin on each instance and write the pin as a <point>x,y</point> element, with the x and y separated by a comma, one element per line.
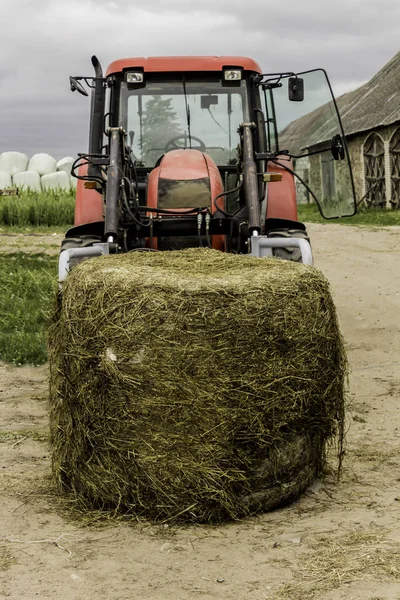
<point>37,209</point>
<point>27,283</point>
<point>53,212</point>
<point>374,217</point>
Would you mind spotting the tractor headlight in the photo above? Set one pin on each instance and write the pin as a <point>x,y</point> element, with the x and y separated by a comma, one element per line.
<point>232,74</point>
<point>134,77</point>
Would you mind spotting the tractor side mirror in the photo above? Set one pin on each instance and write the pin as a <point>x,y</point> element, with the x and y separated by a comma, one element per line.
<point>296,89</point>
<point>76,86</point>
<point>337,147</point>
<point>207,101</point>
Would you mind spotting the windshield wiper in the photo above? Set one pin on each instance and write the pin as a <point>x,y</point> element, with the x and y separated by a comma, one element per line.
<point>215,120</point>
<point>187,112</point>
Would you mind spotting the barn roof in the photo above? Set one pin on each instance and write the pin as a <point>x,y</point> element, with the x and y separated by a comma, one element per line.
<point>374,104</point>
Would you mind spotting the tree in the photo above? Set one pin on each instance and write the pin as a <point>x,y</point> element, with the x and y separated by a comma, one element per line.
<point>160,124</point>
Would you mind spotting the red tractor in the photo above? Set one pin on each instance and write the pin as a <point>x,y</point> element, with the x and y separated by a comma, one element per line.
<point>200,151</point>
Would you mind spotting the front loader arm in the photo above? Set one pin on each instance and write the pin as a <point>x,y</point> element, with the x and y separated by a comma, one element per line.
<point>250,179</point>
<point>262,245</point>
<point>114,176</point>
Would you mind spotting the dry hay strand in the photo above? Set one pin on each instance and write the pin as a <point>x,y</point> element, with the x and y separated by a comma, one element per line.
<point>193,384</point>
<point>6,558</point>
<point>358,556</point>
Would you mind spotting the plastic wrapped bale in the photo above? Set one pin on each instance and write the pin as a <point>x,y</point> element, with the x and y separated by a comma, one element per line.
<point>5,180</point>
<point>193,384</point>
<point>43,164</point>
<point>65,164</point>
<point>13,162</point>
<point>28,180</point>
<point>56,181</point>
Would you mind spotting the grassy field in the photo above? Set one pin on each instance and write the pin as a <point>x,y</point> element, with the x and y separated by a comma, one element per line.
<point>309,213</point>
<point>32,209</point>
<point>27,283</point>
<point>28,280</point>
<point>54,213</point>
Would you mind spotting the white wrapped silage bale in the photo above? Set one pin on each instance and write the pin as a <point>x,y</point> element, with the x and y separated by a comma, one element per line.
<point>56,181</point>
<point>13,162</point>
<point>28,180</point>
<point>5,180</point>
<point>65,164</point>
<point>44,164</point>
<point>74,182</point>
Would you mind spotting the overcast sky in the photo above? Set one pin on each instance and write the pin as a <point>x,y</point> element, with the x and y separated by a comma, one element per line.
<point>42,42</point>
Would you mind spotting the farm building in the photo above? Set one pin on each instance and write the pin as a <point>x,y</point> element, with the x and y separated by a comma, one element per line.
<point>371,121</point>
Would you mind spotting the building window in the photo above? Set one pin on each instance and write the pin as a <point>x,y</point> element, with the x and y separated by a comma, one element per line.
<point>394,151</point>
<point>374,162</point>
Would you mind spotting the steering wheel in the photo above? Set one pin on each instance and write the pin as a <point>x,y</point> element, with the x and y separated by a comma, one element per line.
<point>172,145</point>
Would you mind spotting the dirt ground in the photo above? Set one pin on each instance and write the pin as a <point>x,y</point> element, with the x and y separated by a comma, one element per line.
<point>337,542</point>
<point>32,242</point>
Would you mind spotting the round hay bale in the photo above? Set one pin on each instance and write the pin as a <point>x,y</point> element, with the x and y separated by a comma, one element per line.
<point>42,163</point>
<point>5,180</point>
<point>65,164</point>
<point>28,180</point>
<point>13,162</point>
<point>193,384</point>
<point>56,181</point>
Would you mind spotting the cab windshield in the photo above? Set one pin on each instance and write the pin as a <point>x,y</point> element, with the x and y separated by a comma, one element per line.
<point>185,113</point>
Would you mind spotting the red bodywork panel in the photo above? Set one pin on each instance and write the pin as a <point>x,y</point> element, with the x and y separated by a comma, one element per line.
<point>195,165</point>
<point>282,202</point>
<point>170,64</point>
<point>186,165</point>
<point>89,203</point>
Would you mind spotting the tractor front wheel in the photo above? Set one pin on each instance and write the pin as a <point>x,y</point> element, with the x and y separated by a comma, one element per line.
<point>79,242</point>
<point>293,254</point>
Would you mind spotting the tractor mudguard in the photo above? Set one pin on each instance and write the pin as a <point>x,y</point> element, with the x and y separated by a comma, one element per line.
<point>88,204</point>
<point>282,202</point>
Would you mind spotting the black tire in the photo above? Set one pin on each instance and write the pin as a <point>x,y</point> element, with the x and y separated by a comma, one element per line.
<point>293,254</point>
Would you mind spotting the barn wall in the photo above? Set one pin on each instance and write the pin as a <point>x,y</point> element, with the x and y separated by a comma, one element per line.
<point>356,151</point>
<point>311,169</point>
<point>302,166</point>
<point>354,145</point>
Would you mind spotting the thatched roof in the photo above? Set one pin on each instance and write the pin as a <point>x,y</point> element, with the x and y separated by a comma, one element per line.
<point>374,104</point>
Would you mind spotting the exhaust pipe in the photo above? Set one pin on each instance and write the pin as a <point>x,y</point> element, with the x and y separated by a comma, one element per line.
<point>97,114</point>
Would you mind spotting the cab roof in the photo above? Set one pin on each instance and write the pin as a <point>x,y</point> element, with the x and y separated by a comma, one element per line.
<point>165,64</point>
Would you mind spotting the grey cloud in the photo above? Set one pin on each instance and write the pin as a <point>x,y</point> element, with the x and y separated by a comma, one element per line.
<point>48,40</point>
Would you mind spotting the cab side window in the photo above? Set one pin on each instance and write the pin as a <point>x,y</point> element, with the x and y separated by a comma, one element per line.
<point>270,119</point>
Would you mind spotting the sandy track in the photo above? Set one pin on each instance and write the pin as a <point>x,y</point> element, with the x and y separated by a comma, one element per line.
<point>34,243</point>
<point>336,542</point>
